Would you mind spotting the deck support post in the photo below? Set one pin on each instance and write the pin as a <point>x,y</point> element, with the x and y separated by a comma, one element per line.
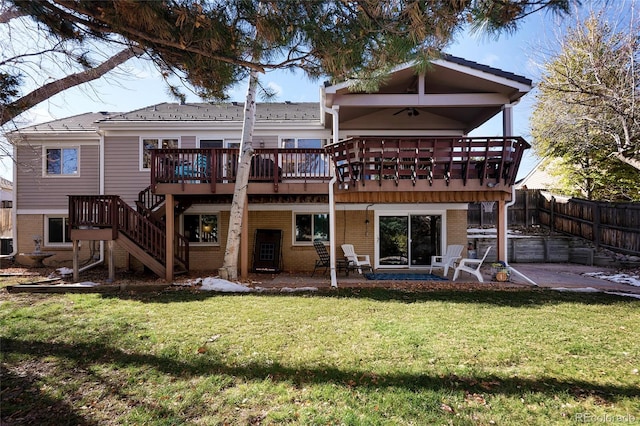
<point>170,230</point>
<point>112,260</point>
<point>76,261</point>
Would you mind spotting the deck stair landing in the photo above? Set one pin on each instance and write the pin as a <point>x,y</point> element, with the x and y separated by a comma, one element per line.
<point>109,218</point>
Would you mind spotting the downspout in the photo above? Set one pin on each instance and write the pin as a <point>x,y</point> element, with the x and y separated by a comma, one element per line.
<point>332,205</point>
<point>100,260</point>
<point>506,239</point>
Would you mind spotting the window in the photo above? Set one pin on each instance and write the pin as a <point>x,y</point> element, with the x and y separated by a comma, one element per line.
<point>201,228</point>
<point>57,231</point>
<point>62,161</point>
<point>149,144</point>
<point>210,143</point>
<point>311,227</point>
<point>304,164</point>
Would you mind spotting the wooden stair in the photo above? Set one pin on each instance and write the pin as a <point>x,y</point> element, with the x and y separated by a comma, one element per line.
<point>108,217</point>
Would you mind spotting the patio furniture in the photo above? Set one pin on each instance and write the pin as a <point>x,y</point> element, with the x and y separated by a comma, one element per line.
<point>324,259</point>
<point>356,261</point>
<point>447,260</point>
<point>471,266</point>
<point>197,171</point>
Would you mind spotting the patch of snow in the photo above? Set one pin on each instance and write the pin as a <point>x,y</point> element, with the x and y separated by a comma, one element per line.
<point>577,289</point>
<point>218,284</point>
<point>65,271</point>
<point>296,289</point>
<point>83,284</point>
<point>633,280</point>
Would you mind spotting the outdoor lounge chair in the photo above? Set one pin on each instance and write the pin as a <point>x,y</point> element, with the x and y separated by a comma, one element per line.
<point>198,171</point>
<point>448,259</point>
<point>323,254</point>
<point>356,261</point>
<point>471,266</point>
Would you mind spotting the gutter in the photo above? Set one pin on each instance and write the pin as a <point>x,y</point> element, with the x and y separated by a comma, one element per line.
<point>332,205</point>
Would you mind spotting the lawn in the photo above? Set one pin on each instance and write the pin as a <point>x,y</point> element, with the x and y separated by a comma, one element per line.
<point>347,356</point>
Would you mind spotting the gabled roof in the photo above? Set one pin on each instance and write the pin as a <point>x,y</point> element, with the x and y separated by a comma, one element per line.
<point>234,111</point>
<point>77,123</point>
<point>537,178</point>
<point>453,93</point>
<point>6,184</point>
<point>485,68</point>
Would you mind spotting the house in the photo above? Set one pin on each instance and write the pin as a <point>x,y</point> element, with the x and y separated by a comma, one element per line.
<point>390,172</point>
<point>537,178</point>
<point>6,213</point>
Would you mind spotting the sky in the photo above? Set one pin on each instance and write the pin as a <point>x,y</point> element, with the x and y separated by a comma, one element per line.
<point>137,84</point>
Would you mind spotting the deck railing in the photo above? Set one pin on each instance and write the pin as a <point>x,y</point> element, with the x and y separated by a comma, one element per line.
<point>220,165</point>
<point>367,159</point>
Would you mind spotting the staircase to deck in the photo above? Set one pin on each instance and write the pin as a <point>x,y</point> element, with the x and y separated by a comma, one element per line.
<point>142,234</point>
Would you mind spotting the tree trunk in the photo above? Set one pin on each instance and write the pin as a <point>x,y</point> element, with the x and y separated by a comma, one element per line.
<point>45,92</point>
<point>229,270</point>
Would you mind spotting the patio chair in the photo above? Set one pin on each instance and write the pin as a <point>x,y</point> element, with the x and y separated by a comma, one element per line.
<point>472,266</point>
<point>448,259</point>
<point>324,259</point>
<point>356,261</point>
<point>199,170</point>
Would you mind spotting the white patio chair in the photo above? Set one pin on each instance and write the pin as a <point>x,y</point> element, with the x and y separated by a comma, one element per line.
<point>447,260</point>
<point>472,266</point>
<point>356,261</point>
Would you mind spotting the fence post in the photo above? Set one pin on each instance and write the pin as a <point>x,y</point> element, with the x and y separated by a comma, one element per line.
<point>551,214</point>
<point>596,224</point>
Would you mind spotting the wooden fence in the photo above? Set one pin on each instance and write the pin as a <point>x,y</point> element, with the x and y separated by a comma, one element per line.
<point>615,226</point>
<point>523,213</point>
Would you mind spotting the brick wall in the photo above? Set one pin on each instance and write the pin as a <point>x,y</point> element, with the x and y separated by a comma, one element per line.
<point>33,224</point>
<point>457,228</point>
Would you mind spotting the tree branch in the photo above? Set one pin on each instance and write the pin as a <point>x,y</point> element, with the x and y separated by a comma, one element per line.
<point>43,93</point>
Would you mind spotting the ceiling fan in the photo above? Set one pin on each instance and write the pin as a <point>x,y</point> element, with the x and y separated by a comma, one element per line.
<point>411,112</point>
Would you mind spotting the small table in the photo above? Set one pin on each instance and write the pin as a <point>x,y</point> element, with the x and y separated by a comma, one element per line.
<point>342,264</point>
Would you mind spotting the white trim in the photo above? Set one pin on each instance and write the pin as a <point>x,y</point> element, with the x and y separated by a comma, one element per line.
<point>199,139</point>
<point>377,213</point>
<point>485,75</point>
<point>42,212</point>
<point>294,242</point>
<point>101,165</point>
<point>404,208</point>
<point>45,237</point>
<point>200,213</point>
<point>31,139</point>
<point>427,100</point>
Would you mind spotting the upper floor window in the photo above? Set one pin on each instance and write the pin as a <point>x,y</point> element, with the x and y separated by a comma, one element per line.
<point>304,164</point>
<point>62,161</point>
<point>148,144</point>
<point>211,143</point>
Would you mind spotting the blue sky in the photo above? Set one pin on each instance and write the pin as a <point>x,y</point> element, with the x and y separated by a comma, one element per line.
<point>137,84</point>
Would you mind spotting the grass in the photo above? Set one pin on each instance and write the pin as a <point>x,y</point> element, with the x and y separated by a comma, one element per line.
<point>354,357</point>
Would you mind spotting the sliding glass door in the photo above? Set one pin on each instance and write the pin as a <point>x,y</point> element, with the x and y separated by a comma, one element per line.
<point>408,240</point>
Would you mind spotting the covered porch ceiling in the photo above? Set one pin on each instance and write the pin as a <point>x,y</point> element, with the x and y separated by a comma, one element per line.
<point>453,94</point>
